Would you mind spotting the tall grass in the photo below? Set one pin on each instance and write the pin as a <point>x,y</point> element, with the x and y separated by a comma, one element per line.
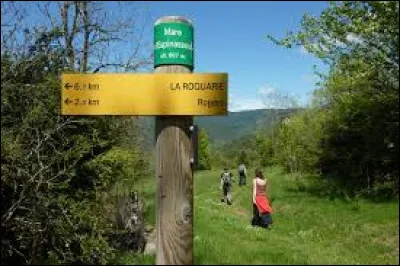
<point>307,229</point>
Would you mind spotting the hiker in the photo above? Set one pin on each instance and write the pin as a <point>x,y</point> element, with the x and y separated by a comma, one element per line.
<point>226,186</point>
<point>262,209</point>
<point>242,174</point>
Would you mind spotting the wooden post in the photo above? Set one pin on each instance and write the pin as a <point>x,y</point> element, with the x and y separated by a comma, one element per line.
<point>174,195</point>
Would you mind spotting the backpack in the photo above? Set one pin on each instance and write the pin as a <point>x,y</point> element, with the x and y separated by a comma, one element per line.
<point>241,168</point>
<point>226,179</point>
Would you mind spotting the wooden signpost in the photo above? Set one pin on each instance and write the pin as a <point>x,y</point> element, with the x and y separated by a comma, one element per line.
<point>175,177</point>
<point>173,94</point>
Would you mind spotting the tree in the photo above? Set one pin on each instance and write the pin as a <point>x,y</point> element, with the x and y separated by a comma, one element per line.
<point>360,93</point>
<point>57,172</point>
<point>299,141</point>
<point>265,154</point>
<point>204,151</point>
<point>243,158</point>
<point>364,29</point>
<point>279,104</point>
<point>83,31</point>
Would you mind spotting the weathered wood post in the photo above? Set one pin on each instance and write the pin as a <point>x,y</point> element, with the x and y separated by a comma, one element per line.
<point>173,53</point>
<point>174,95</point>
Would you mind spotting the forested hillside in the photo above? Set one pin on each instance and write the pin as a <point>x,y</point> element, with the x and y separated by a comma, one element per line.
<point>222,129</point>
<point>238,124</point>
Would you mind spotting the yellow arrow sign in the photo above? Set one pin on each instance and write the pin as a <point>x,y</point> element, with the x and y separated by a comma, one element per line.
<point>144,94</point>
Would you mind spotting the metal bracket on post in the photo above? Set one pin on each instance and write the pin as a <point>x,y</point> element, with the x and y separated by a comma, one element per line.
<point>194,146</point>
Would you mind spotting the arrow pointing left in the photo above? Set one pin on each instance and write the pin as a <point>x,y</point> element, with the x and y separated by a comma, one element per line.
<point>67,86</point>
<point>68,101</point>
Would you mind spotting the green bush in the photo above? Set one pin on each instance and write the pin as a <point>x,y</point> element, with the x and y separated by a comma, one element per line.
<point>56,174</point>
<point>385,190</point>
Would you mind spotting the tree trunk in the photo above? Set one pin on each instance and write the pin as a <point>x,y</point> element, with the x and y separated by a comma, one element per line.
<point>86,22</point>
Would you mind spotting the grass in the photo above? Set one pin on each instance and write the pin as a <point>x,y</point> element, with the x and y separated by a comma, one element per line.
<point>307,229</point>
<point>130,258</point>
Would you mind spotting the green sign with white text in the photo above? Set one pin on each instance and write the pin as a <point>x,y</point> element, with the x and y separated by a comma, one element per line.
<point>173,44</point>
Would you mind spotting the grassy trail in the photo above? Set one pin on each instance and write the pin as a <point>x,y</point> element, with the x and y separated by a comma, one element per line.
<point>306,229</point>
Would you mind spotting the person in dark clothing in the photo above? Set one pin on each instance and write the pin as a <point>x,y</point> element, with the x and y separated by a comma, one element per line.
<point>242,174</point>
<point>226,186</point>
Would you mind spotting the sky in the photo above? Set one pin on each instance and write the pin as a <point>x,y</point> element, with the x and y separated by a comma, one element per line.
<point>231,37</point>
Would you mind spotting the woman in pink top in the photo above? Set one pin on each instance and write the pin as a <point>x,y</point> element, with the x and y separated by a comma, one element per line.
<point>262,209</point>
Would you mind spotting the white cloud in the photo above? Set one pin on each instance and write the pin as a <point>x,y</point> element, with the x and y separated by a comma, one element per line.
<point>273,98</point>
<point>245,104</point>
<point>266,90</point>
<point>237,104</point>
<point>267,96</point>
<point>233,103</point>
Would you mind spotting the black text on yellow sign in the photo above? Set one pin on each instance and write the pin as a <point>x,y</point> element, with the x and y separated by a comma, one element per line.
<point>145,94</point>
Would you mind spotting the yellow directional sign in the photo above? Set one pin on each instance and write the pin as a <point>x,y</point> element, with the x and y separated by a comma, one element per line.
<point>144,94</point>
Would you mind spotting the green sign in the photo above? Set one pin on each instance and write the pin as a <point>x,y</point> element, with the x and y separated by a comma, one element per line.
<point>173,44</point>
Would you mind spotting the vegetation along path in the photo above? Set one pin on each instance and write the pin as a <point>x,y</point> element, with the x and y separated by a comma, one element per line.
<point>307,229</point>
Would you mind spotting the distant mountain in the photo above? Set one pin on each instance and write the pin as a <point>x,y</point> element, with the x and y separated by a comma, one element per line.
<point>238,124</point>
<point>223,128</point>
